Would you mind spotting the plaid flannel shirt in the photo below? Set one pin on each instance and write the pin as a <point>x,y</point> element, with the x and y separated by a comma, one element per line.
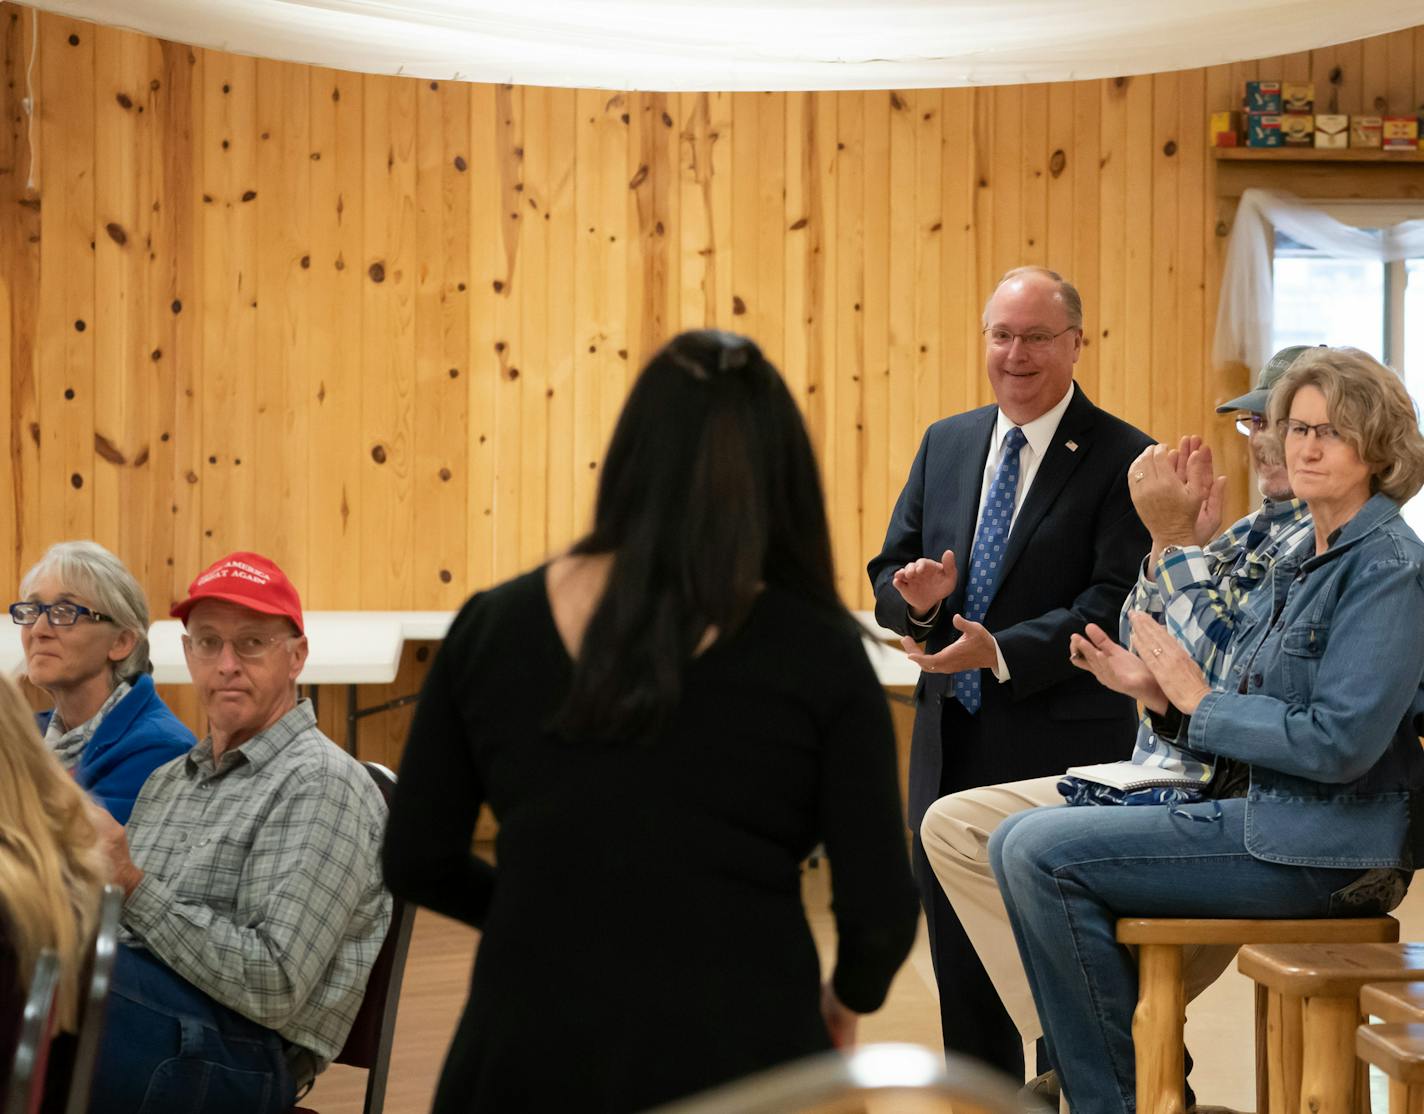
<point>1205,596</point>
<point>262,878</point>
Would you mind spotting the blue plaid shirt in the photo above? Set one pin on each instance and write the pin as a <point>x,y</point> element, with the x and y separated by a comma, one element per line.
<point>1206,598</point>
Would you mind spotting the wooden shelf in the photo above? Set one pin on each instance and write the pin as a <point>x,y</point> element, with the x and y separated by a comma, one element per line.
<point>1316,154</point>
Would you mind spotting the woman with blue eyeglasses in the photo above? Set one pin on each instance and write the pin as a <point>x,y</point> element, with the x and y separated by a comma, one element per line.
<point>1316,718</point>
<point>83,625</point>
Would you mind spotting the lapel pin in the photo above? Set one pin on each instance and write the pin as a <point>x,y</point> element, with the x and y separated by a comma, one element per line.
<point>1072,446</point>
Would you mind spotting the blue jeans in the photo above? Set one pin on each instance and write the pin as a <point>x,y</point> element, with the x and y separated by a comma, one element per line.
<point>168,1047</point>
<point>1067,874</point>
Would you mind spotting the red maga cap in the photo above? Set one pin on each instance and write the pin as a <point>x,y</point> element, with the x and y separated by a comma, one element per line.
<point>248,580</point>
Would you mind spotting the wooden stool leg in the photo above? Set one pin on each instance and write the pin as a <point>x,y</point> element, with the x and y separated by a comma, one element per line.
<point>1283,1050</point>
<point>1263,1044</point>
<point>1157,1029</point>
<point>1327,1081</point>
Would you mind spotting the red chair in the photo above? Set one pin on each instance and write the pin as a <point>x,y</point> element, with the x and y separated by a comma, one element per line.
<point>368,1045</point>
<point>25,1092</point>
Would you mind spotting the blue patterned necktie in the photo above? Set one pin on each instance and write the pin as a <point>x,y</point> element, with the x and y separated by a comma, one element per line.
<point>988,554</point>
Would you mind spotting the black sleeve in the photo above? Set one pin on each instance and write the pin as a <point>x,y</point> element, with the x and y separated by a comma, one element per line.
<point>427,857</point>
<point>873,892</point>
<point>904,542</point>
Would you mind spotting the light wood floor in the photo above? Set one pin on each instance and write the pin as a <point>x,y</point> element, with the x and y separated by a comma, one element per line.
<point>1219,1023</point>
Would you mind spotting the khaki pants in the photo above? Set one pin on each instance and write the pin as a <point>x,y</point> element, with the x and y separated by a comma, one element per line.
<point>956,832</point>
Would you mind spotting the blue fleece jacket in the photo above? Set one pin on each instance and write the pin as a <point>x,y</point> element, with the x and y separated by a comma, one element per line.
<point>137,736</point>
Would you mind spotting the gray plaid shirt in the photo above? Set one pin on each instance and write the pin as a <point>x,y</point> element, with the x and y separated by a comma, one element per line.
<point>262,878</point>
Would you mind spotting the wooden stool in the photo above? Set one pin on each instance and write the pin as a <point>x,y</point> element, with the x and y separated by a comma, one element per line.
<point>1322,982</point>
<point>1161,999</point>
<point>1393,1002</point>
<point>1397,1050</point>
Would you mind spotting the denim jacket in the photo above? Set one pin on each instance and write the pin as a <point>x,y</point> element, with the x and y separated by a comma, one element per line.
<point>1326,719</point>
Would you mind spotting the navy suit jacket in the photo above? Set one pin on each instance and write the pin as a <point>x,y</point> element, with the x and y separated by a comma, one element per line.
<point>1071,558</point>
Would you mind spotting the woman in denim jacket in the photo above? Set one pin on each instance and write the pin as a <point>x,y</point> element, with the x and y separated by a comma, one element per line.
<point>1317,710</point>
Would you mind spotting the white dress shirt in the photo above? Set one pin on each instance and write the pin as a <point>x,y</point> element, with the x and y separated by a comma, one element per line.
<point>1038,436</point>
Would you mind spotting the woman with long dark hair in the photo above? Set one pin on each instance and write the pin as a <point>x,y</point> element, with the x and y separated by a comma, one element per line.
<point>665,720</point>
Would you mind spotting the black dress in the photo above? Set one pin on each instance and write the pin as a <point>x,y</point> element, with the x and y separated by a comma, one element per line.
<point>643,936</point>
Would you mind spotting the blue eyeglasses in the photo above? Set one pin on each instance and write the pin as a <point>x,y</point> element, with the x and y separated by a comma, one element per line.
<point>62,614</point>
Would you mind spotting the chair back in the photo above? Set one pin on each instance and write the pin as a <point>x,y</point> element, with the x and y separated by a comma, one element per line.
<point>368,1045</point>
<point>910,1077</point>
<point>27,1073</point>
<point>98,973</point>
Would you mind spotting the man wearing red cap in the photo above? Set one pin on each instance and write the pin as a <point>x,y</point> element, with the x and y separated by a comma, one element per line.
<point>254,906</point>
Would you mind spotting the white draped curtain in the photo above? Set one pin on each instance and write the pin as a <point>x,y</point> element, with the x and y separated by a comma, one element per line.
<point>754,44</point>
<point>1243,319</point>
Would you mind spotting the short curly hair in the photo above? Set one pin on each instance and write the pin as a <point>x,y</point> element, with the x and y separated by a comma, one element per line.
<point>1368,404</point>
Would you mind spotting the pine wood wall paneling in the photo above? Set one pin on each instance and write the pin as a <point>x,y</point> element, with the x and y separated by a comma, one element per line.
<point>597,367</point>
<point>1084,166</point>
<point>536,344</point>
<point>1164,399</point>
<point>846,443</point>
<point>441,418</point>
<point>1111,302</point>
<point>798,242</point>
<point>959,289</point>
<point>905,430</point>
<point>65,81</point>
<point>390,264</point>
<point>1033,176</point>
<point>336,245</point>
<point>280,463</point>
<point>508,282</point>
<point>123,508</point>
<point>743,211</point>
<point>20,241</point>
<point>1135,402</point>
<point>485,360</point>
<point>878,482</point>
<point>567,516</point>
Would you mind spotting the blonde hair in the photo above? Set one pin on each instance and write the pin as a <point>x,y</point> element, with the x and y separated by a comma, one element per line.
<point>1368,404</point>
<point>51,865</point>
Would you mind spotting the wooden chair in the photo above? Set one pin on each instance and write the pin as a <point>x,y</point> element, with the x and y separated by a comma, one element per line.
<point>1320,984</point>
<point>25,1091</point>
<point>1160,1016</point>
<point>368,1045</point>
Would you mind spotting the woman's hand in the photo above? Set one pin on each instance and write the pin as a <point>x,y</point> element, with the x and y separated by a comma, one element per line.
<point>840,1020</point>
<point>1179,677</point>
<point>1115,668</point>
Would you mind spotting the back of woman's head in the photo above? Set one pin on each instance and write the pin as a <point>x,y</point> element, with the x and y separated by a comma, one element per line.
<point>709,492</point>
<point>51,867</point>
<point>89,570</point>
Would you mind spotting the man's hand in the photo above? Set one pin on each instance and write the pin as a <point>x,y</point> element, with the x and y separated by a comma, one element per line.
<point>975,649</point>
<point>923,583</point>
<point>116,847</point>
<point>1179,677</point>
<point>1176,495</point>
<point>1115,668</point>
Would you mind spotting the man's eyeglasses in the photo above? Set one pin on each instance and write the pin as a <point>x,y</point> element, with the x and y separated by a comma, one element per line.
<point>249,647</point>
<point>1036,341</point>
<point>27,613</point>
<point>1292,430</point>
<point>1248,423</point>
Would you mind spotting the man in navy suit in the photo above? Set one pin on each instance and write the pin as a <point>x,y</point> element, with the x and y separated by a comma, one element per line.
<point>1014,530</point>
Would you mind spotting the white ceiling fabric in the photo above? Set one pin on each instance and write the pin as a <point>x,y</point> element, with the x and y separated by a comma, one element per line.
<point>754,44</point>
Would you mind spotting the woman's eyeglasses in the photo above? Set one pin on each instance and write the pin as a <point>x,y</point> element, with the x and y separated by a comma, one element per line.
<point>62,614</point>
